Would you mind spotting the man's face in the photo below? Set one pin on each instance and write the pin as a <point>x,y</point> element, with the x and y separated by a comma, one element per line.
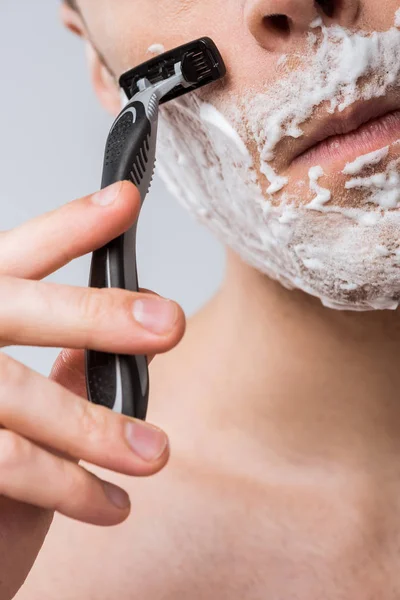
<point>124,30</point>
<point>266,56</point>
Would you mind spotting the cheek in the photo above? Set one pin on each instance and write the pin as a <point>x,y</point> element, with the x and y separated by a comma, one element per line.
<point>125,40</point>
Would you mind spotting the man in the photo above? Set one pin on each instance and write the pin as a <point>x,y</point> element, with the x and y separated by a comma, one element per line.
<point>283,415</point>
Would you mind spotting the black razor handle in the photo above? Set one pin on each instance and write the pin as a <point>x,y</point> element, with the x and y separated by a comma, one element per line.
<point>121,382</point>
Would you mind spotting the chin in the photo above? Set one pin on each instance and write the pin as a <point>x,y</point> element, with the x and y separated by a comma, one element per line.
<point>336,235</point>
<point>340,244</point>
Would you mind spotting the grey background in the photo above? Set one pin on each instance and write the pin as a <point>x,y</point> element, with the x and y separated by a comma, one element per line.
<point>51,151</point>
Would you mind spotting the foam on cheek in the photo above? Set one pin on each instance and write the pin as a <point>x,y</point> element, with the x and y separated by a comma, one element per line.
<point>156,49</point>
<point>348,257</point>
<point>209,114</point>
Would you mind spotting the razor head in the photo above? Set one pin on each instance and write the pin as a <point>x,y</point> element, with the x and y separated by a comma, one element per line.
<point>201,64</point>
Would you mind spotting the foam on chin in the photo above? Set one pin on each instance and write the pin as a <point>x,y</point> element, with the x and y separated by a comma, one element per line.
<point>347,257</point>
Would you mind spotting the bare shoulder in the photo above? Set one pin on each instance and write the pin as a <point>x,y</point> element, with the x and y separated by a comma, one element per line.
<point>205,527</point>
<point>195,528</point>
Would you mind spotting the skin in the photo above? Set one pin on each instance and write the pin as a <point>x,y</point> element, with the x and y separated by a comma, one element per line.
<point>283,416</point>
<point>46,427</point>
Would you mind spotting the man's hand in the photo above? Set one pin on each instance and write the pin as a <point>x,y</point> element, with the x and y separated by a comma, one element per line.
<point>46,425</point>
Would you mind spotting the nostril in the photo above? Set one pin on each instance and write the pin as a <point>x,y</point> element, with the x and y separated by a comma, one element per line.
<point>278,23</point>
<point>327,6</point>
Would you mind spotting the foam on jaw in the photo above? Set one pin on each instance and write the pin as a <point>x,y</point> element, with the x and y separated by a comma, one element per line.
<point>348,257</point>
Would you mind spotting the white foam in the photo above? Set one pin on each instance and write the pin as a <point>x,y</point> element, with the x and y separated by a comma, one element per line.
<point>348,287</point>
<point>318,22</point>
<point>277,181</point>
<point>313,263</point>
<point>156,49</point>
<point>282,60</point>
<point>322,194</point>
<point>334,251</point>
<point>182,160</point>
<point>330,74</point>
<point>397,18</point>
<point>382,189</point>
<point>209,114</point>
<point>373,158</point>
<point>382,250</point>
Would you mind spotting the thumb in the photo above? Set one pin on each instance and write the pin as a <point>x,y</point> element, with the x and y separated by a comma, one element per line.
<point>69,371</point>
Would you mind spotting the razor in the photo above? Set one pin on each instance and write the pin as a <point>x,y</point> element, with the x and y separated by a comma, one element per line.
<point>121,382</point>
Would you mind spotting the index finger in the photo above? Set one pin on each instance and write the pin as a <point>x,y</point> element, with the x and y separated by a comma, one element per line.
<point>51,416</point>
<point>43,245</point>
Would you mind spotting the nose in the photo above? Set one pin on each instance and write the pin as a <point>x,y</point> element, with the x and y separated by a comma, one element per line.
<point>276,23</point>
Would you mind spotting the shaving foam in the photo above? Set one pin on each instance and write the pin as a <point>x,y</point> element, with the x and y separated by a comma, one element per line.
<point>339,61</point>
<point>366,160</point>
<point>305,239</point>
<point>156,49</point>
<point>322,195</point>
<point>382,189</point>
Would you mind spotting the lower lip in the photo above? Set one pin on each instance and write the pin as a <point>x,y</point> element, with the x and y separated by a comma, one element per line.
<point>347,147</point>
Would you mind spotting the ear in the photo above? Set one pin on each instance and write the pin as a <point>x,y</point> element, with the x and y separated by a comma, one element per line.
<point>72,20</point>
<point>105,86</point>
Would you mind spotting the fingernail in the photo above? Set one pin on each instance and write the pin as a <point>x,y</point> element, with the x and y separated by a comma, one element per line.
<point>116,496</point>
<point>108,195</point>
<point>156,314</point>
<point>146,441</point>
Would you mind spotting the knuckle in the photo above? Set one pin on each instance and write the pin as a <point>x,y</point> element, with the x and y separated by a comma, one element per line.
<point>71,489</point>
<point>13,449</point>
<point>93,422</point>
<point>66,252</point>
<point>71,475</point>
<point>11,373</point>
<point>95,305</point>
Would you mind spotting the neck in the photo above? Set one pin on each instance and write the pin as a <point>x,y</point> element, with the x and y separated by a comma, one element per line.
<point>313,380</point>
